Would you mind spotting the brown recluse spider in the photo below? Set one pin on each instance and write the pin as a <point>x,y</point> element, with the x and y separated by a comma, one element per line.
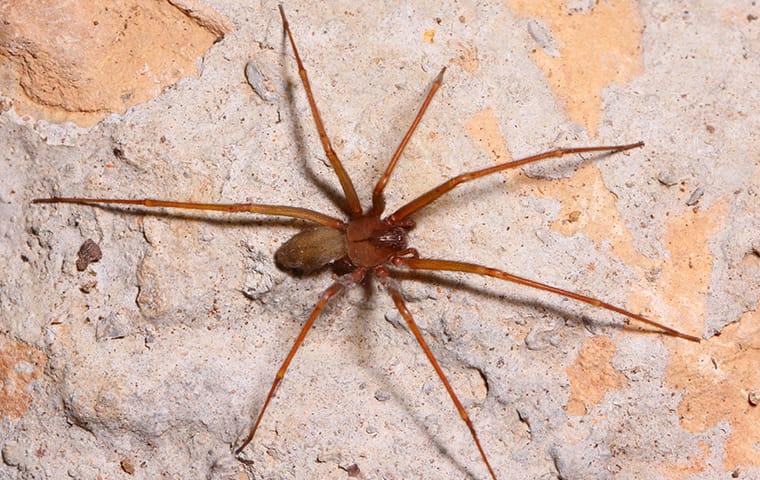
<point>368,243</point>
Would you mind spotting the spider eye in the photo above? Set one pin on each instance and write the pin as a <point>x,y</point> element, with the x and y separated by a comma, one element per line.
<point>394,238</point>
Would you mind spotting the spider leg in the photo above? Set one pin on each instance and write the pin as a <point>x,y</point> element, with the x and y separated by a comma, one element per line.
<point>378,202</point>
<point>454,266</point>
<point>326,296</point>
<point>401,306</point>
<point>354,206</point>
<point>432,195</point>
<point>275,210</point>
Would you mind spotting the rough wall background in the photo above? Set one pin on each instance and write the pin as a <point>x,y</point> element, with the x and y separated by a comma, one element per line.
<point>150,362</point>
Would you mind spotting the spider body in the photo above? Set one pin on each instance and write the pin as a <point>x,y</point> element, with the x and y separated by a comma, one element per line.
<point>364,242</point>
<point>312,249</point>
<point>368,243</point>
<point>373,241</point>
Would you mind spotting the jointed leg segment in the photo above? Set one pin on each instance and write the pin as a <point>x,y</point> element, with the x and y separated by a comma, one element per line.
<point>275,210</point>
<point>453,266</point>
<point>326,296</point>
<point>354,206</point>
<point>431,196</point>
<point>401,306</point>
<point>378,202</point>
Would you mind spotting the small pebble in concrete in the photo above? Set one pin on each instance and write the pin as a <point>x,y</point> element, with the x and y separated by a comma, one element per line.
<point>695,196</point>
<point>259,275</point>
<point>13,454</point>
<point>394,318</point>
<point>754,398</point>
<point>88,253</point>
<point>331,456</point>
<point>127,466</point>
<point>541,338</point>
<point>352,470</point>
<point>88,286</point>
<point>543,38</point>
<point>382,395</point>
<point>667,178</point>
<point>112,327</point>
<point>256,80</point>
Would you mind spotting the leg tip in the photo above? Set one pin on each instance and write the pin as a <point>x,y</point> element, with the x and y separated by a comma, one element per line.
<point>691,338</point>
<point>630,146</point>
<point>439,78</point>
<point>46,200</point>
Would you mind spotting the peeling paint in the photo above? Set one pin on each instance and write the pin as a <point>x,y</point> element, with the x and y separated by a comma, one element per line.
<point>716,377</point>
<point>596,49</point>
<point>692,466</point>
<point>110,56</point>
<point>677,295</point>
<point>20,365</point>
<point>483,128</point>
<point>592,375</point>
<point>588,207</point>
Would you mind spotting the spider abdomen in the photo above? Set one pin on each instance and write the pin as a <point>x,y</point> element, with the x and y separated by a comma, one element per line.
<point>312,249</point>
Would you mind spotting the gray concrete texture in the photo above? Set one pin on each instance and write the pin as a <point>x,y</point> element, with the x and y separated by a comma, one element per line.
<point>151,362</point>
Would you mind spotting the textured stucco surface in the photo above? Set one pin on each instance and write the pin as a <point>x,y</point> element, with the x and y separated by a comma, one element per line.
<point>153,360</point>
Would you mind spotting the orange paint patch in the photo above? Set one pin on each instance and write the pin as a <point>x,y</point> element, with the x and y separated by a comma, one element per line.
<point>80,60</point>
<point>483,127</point>
<point>678,294</point>
<point>592,375</point>
<point>596,48</point>
<point>718,376</point>
<point>692,466</point>
<point>466,57</point>
<point>588,207</point>
<point>676,297</point>
<point>20,365</point>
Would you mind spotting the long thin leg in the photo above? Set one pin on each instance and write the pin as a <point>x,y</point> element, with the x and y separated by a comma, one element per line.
<point>276,210</point>
<point>329,293</point>
<point>378,202</point>
<point>453,266</point>
<point>352,199</point>
<point>401,306</point>
<point>449,185</point>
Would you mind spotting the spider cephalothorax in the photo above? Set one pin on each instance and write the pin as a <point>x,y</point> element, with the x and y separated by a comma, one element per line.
<point>368,243</point>
<point>373,241</point>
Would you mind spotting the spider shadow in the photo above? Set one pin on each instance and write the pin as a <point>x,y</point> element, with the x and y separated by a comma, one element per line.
<point>569,318</point>
<point>365,355</point>
<point>471,195</point>
<point>333,195</point>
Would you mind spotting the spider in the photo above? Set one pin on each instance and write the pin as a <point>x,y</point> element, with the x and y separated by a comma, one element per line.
<point>369,243</point>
